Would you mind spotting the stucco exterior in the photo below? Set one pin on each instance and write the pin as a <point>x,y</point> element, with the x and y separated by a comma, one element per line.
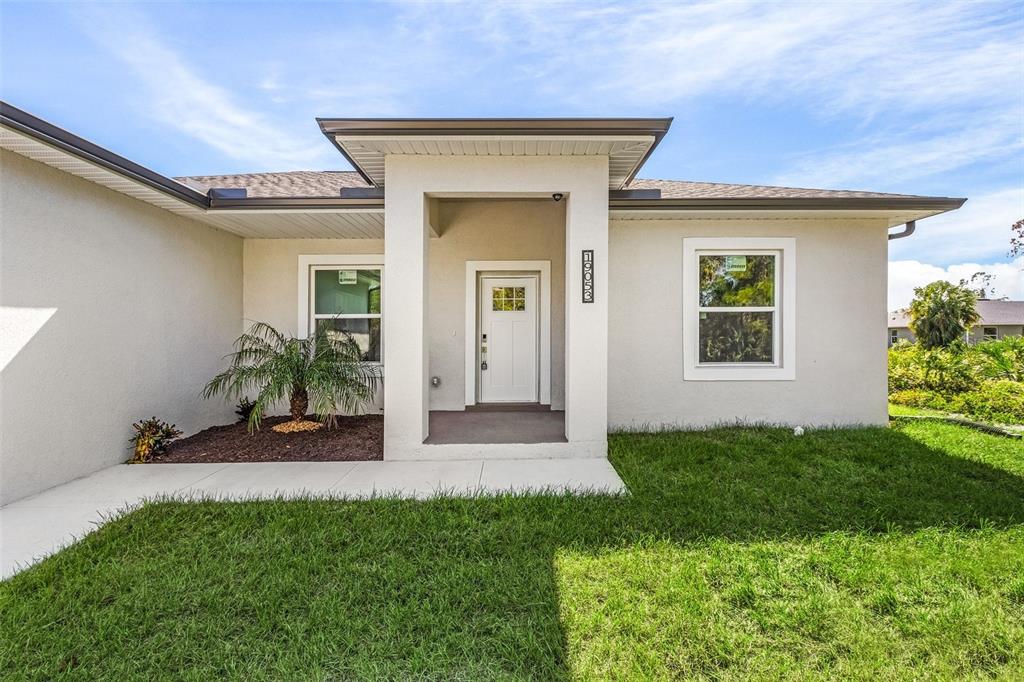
<point>976,334</point>
<point>840,317</point>
<point>136,305</point>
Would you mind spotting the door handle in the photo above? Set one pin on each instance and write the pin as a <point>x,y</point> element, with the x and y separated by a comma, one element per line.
<point>483,365</point>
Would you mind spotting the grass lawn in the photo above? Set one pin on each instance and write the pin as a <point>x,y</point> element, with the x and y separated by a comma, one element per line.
<point>908,411</point>
<point>870,554</point>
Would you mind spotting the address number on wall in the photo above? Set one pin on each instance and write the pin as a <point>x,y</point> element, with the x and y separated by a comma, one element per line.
<point>588,275</point>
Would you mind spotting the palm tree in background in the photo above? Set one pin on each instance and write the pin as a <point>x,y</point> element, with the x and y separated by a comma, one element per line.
<point>941,313</point>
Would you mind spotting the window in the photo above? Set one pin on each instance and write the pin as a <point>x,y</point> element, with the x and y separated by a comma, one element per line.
<point>989,333</point>
<point>508,298</point>
<point>348,300</point>
<point>738,300</point>
<point>894,336</point>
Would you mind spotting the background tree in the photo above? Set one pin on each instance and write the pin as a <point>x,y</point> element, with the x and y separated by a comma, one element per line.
<point>941,313</point>
<point>1017,239</point>
<point>979,283</point>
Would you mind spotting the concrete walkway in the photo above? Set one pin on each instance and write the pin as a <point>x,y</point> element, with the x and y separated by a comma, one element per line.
<point>37,526</point>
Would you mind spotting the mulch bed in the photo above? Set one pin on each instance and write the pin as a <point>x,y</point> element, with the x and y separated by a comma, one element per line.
<point>352,438</point>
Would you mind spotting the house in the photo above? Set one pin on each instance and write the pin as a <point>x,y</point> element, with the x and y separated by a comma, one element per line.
<point>513,263</point>
<point>998,319</point>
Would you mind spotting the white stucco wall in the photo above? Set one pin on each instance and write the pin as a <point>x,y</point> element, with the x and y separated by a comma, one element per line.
<point>270,275</point>
<point>144,305</point>
<point>840,327</point>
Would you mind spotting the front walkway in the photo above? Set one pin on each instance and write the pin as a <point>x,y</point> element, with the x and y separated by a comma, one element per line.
<point>37,526</point>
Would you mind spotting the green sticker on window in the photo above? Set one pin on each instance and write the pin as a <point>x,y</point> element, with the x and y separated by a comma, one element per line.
<point>735,263</point>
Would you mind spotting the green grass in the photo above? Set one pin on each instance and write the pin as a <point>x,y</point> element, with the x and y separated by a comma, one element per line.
<point>742,553</point>
<point>908,411</point>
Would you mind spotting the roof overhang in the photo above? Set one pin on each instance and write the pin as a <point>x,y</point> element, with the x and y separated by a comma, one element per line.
<point>306,217</point>
<point>358,213</point>
<point>627,142</point>
<point>896,210</point>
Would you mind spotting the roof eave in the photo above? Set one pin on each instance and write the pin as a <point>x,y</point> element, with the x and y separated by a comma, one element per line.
<point>296,203</point>
<point>54,136</point>
<point>359,127</point>
<point>938,204</point>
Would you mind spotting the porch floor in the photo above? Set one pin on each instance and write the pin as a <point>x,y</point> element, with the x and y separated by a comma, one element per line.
<point>513,424</point>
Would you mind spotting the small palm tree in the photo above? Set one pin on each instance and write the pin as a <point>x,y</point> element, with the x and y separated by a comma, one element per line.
<point>328,372</point>
<point>941,313</point>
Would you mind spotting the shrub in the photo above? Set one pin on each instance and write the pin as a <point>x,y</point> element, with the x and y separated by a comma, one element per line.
<point>998,401</point>
<point>916,397</point>
<point>939,370</point>
<point>244,409</point>
<point>1002,359</point>
<point>152,436</point>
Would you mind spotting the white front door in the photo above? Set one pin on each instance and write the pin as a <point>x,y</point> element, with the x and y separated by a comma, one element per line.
<point>508,339</point>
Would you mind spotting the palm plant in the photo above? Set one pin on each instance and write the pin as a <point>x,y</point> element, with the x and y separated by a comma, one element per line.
<point>941,313</point>
<point>1004,359</point>
<point>327,373</point>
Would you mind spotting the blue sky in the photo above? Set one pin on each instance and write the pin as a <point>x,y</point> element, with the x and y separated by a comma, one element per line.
<point>924,98</point>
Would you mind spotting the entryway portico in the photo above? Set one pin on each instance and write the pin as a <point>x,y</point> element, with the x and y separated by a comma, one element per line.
<point>415,182</point>
<point>423,164</point>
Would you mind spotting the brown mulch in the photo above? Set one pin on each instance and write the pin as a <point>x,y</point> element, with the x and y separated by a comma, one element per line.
<point>351,439</point>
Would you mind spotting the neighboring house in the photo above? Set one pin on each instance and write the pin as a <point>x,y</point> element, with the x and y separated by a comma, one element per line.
<point>481,261</point>
<point>998,319</point>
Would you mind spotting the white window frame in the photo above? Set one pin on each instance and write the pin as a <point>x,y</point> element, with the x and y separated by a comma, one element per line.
<point>308,265</point>
<point>783,325</point>
<point>985,335</point>
<point>894,336</point>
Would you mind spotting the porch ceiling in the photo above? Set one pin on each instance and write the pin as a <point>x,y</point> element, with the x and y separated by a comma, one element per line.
<point>626,142</point>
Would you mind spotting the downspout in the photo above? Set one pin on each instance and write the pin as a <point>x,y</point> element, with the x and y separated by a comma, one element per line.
<point>907,230</point>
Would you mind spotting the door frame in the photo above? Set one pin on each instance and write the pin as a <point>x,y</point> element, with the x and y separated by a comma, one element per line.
<point>512,268</point>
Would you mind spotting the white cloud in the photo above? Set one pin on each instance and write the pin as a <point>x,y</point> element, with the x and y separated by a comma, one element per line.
<point>934,87</point>
<point>904,275</point>
<point>893,159</point>
<point>980,231</point>
<point>171,92</point>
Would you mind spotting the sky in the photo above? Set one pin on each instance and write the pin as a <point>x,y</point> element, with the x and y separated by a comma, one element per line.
<point>909,97</point>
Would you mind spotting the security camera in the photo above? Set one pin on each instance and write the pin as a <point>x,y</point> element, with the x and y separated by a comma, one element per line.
<point>557,196</point>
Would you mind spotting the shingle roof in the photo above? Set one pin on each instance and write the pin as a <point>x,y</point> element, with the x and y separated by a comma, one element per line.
<point>288,184</point>
<point>329,184</point>
<point>681,189</point>
<point>991,312</point>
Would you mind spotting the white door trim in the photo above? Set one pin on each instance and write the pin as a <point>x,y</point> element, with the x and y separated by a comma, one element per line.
<point>489,393</point>
<point>473,269</point>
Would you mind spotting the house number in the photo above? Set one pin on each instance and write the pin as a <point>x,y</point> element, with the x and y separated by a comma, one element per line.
<point>588,276</point>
